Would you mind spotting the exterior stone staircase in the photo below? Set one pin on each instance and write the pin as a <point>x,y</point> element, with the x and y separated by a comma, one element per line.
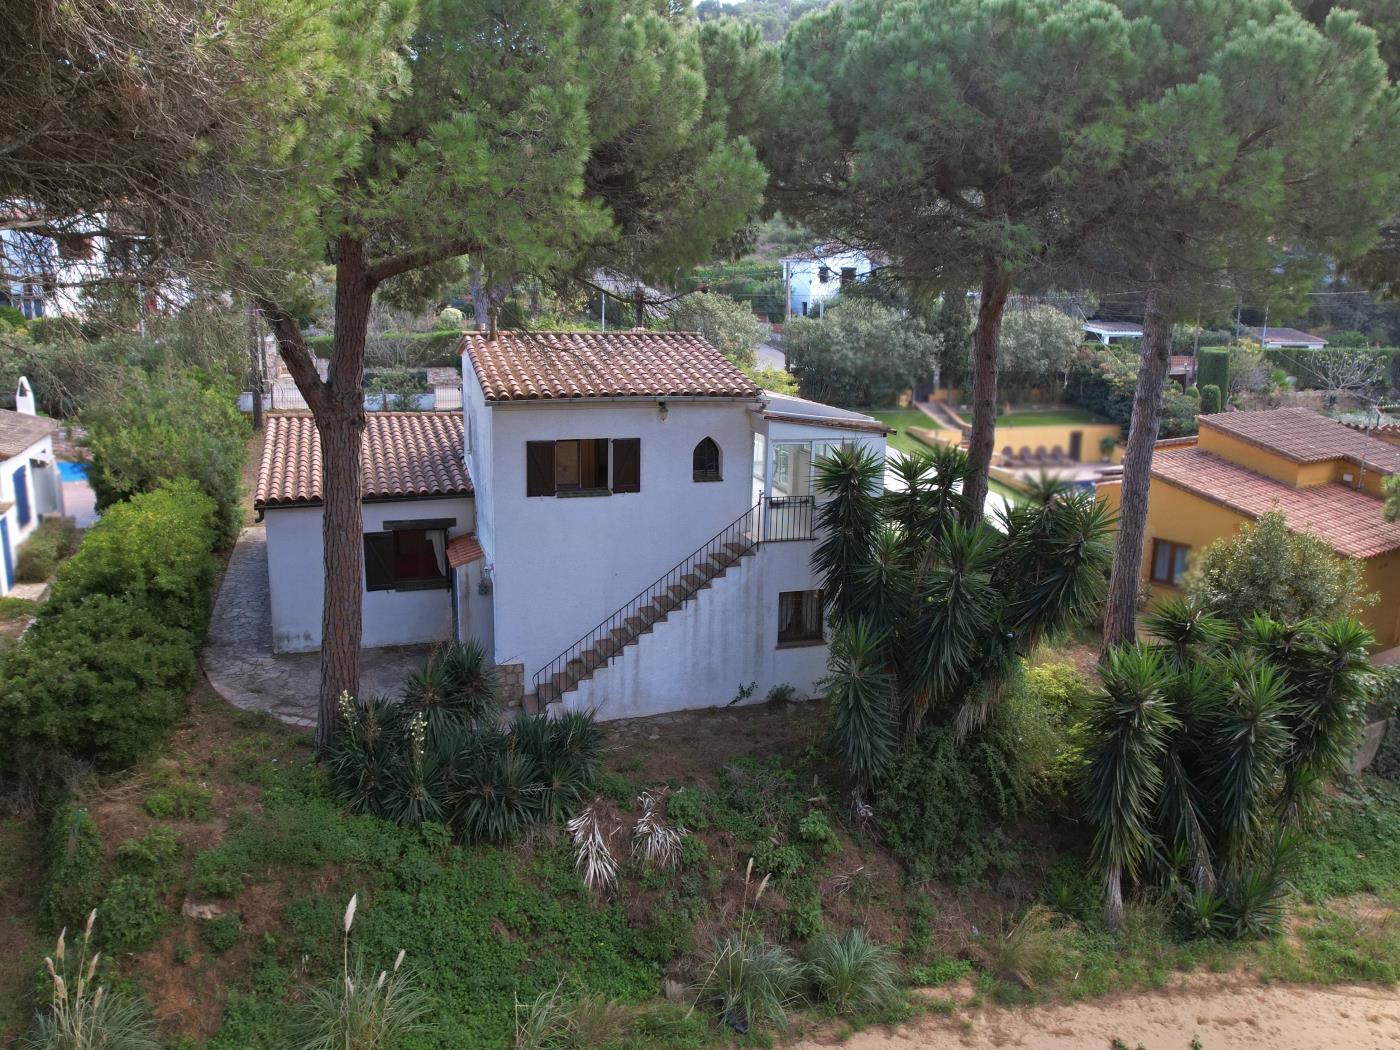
<point>625,627</point>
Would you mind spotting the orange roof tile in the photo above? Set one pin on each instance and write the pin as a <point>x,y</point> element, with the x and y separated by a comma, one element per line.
<point>549,366</point>
<point>463,550</point>
<point>1304,436</point>
<point>1347,519</point>
<point>404,455</point>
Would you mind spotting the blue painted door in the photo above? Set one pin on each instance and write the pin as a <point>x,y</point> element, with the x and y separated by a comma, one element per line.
<point>9,580</point>
<point>22,496</point>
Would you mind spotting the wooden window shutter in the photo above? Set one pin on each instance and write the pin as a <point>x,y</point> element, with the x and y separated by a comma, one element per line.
<point>379,561</point>
<point>627,465</point>
<point>539,468</point>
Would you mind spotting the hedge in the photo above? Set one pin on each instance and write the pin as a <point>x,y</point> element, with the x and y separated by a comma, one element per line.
<point>103,673</point>
<point>1213,368</point>
<point>423,349</point>
<point>1210,399</point>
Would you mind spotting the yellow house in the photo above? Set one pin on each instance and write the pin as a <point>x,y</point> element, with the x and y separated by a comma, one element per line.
<point>1325,477</point>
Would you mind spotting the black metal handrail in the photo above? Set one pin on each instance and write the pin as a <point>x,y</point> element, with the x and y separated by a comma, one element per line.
<point>746,530</point>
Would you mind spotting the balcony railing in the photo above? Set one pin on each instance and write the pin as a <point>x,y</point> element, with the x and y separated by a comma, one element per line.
<point>789,518</point>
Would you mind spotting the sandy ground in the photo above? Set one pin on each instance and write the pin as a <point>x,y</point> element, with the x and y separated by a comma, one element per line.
<point>1229,1017</point>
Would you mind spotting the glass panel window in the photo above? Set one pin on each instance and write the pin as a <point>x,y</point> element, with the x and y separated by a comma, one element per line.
<point>1169,562</point>
<point>800,618</point>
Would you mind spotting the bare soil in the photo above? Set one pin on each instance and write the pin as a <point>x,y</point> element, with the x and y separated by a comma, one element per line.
<point>1223,1013</point>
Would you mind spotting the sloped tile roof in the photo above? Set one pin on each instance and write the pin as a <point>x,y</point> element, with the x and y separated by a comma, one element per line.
<point>403,455</point>
<point>19,430</point>
<point>463,550</point>
<point>551,366</point>
<point>1347,519</point>
<point>1304,436</point>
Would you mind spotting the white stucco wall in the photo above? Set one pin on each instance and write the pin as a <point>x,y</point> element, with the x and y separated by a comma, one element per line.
<point>296,580</point>
<point>45,497</point>
<point>724,638</point>
<point>562,565</point>
<point>803,278</point>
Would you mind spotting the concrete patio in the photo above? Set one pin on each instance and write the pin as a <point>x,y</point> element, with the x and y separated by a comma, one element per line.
<point>239,660</point>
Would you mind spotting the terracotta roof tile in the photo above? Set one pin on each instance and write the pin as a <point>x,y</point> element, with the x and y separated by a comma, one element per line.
<point>1347,519</point>
<point>463,550</point>
<point>1304,436</point>
<point>548,366</point>
<point>19,430</point>
<point>404,455</point>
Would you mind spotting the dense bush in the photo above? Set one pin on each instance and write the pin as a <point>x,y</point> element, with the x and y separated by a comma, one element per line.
<point>1103,380</point>
<point>945,800</point>
<point>54,540</point>
<point>168,425</point>
<point>72,867</point>
<point>1045,710</point>
<point>1267,568</point>
<point>408,349</point>
<point>861,353</point>
<point>153,550</point>
<point>1210,399</point>
<point>1213,367</point>
<point>729,326</point>
<point>103,680</point>
<point>1320,369</point>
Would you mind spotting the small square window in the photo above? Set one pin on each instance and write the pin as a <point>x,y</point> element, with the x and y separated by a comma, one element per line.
<point>800,619</point>
<point>1169,562</point>
<point>406,560</point>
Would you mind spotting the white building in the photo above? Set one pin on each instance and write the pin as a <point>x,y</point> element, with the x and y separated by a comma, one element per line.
<point>632,532</point>
<point>1108,332</point>
<point>30,486</point>
<point>1280,338</point>
<point>814,279</point>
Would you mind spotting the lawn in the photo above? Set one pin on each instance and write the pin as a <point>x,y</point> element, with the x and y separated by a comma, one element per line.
<point>901,419</point>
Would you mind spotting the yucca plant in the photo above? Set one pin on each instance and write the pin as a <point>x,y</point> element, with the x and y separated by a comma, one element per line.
<point>365,751</point>
<point>417,789</point>
<point>1189,629</point>
<point>455,689</point>
<point>654,841</point>
<point>577,736</point>
<point>362,1010</point>
<point>83,1015</point>
<point>864,715</point>
<point>500,796</point>
<point>851,972</point>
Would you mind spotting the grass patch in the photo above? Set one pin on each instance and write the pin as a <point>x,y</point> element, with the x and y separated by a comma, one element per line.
<point>13,610</point>
<point>901,419</point>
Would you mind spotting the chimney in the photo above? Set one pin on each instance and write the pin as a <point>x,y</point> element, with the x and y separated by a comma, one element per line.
<point>24,398</point>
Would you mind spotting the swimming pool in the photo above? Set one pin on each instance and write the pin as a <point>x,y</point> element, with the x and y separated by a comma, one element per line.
<point>72,471</point>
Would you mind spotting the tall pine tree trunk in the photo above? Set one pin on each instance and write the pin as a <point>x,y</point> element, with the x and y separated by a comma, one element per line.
<point>996,286</point>
<point>1120,614</point>
<point>255,365</point>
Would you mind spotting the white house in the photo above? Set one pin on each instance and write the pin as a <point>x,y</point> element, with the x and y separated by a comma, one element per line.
<point>813,280</point>
<point>632,533</point>
<point>1108,332</point>
<point>1280,338</point>
<point>30,486</point>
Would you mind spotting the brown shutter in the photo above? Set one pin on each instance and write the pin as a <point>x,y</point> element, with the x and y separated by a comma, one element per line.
<point>627,465</point>
<point>379,561</point>
<point>539,468</point>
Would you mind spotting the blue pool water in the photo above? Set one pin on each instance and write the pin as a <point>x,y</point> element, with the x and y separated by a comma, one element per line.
<point>72,471</point>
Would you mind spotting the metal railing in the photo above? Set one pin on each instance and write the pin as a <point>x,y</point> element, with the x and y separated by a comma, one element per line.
<point>789,518</point>
<point>667,593</point>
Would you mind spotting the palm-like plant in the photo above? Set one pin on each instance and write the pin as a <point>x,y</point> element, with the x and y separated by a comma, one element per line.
<point>948,606</point>
<point>864,725</point>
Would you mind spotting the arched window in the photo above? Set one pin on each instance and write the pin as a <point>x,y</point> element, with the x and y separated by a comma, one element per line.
<point>704,461</point>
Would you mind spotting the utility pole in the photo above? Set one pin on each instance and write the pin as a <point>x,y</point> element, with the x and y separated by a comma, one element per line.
<point>255,348</point>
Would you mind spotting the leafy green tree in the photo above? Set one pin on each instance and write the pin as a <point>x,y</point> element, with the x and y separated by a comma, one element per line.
<point>970,141</point>
<point>535,138</point>
<point>1104,380</point>
<point>729,326</point>
<point>1258,146</point>
<point>1038,344</point>
<point>951,321</point>
<point>861,353</point>
<point>1267,568</point>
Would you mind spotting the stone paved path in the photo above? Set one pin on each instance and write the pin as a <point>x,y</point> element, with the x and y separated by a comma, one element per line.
<point>239,660</point>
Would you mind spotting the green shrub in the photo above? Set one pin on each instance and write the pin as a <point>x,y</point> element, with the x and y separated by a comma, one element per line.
<point>179,800</point>
<point>221,933</point>
<point>154,549</point>
<point>686,808</point>
<point>171,424</point>
<point>816,831</point>
<point>102,679</point>
<point>944,801</point>
<point>132,916</point>
<point>72,867</point>
<point>693,851</point>
<point>782,862</point>
<point>749,982</point>
<point>803,918</point>
<point>940,971</point>
<point>38,558</point>
<point>1045,711</point>
<point>851,973</point>
<point>152,854</point>
<point>1210,399</point>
